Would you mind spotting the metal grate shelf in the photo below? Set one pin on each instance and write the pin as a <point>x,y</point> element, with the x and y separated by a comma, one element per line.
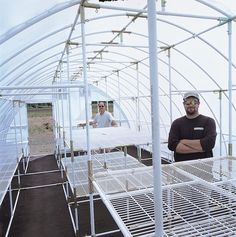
<point>78,169</point>
<point>196,202</point>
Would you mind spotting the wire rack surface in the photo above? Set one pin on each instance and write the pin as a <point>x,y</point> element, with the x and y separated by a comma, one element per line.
<point>212,170</point>
<point>196,200</point>
<point>122,181</point>
<point>77,170</point>
<point>188,210</point>
<point>229,186</point>
<point>8,165</point>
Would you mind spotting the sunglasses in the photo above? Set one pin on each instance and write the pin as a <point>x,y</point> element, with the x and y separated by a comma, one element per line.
<point>100,106</point>
<point>191,102</point>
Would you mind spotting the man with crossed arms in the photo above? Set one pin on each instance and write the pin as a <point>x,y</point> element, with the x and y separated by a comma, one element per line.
<point>192,136</point>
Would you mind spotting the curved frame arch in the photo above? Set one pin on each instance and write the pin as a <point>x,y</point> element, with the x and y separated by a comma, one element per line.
<point>192,34</point>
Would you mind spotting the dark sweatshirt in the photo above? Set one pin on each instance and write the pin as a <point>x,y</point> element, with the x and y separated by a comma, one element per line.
<point>201,127</point>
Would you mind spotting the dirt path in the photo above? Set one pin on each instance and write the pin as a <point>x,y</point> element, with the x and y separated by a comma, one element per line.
<point>41,138</point>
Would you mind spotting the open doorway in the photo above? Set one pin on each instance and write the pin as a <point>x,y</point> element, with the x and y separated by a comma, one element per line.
<point>40,122</point>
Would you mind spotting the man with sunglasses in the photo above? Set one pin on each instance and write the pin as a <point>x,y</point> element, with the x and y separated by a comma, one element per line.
<point>192,136</point>
<point>103,118</point>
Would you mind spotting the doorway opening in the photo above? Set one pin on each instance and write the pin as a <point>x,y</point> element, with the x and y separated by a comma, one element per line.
<point>40,122</point>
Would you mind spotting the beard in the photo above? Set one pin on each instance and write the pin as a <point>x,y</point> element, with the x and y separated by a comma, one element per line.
<point>191,111</point>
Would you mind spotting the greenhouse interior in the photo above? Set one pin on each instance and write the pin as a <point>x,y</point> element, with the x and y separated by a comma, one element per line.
<point>139,58</point>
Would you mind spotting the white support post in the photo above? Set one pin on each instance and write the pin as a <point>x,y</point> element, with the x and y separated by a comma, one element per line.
<point>138,100</point>
<point>230,148</point>
<point>170,92</point>
<point>125,156</point>
<point>16,141</point>
<point>107,107</point>
<point>139,153</point>
<point>63,118</point>
<point>69,97</point>
<point>55,125</point>
<point>156,155</point>
<point>90,171</point>
<point>170,83</point>
<point>10,199</point>
<point>57,102</point>
<point>220,121</point>
<point>58,115</point>
<point>71,144</point>
<point>21,139</point>
<point>118,81</point>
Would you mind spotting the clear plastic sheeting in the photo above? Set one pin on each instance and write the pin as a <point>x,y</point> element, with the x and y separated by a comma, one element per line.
<point>107,47</point>
<point>193,203</point>
<point>112,49</point>
<point>107,137</point>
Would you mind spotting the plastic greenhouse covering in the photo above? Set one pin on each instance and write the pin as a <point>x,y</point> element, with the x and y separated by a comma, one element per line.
<point>142,55</point>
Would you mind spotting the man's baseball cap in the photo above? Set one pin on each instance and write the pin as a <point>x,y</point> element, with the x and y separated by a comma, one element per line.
<point>191,94</point>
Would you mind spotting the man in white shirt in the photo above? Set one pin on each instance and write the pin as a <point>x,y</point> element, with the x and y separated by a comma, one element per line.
<point>103,118</point>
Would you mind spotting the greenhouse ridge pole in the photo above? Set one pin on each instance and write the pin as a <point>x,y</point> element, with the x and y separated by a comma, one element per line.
<point>156,154</point>
<point>162,13</point>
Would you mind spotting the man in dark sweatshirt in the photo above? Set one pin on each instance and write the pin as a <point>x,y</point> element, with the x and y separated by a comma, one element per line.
<point>192,136</point>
